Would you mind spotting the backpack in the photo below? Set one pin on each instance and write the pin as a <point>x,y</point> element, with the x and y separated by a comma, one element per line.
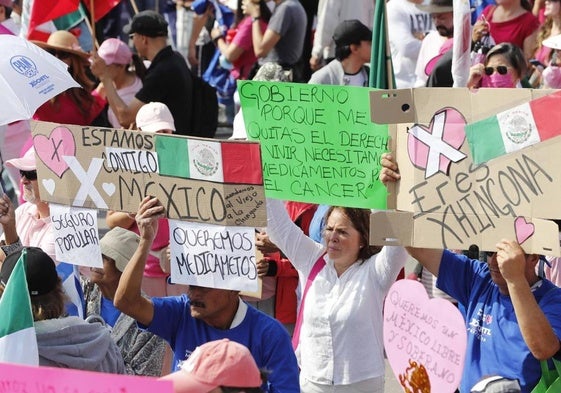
<point>204,109</point>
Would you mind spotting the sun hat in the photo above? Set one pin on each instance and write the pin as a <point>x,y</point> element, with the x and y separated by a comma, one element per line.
<point>64,41</point>
<point>115,51</point>
<point>40,270</point>
<point>148,23</point>
<point>120,245</point>
<point>154,117</point>
<point>436,6</point>
<point>214,364</point>
<point>25,162</point>
<point>351,31</point>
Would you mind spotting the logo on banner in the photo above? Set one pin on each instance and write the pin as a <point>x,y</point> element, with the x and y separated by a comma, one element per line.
<point>206,160</point>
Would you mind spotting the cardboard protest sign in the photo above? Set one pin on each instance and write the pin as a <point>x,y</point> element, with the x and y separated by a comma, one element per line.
<point>318,143</point>
<point>76,235</point>
<point>213,256</point>
<point>210,181</point>
<point>16,378</point>
<point>425,339</point>
<point>444,200</point>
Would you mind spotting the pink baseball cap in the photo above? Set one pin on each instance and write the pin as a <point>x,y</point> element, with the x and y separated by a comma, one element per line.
<point>154,117</point>
<point>115,51</point>
<point>24,163</point>
<point>214,364</point>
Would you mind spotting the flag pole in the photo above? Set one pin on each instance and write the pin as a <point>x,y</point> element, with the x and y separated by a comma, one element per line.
<point>389,66</point>
<point>134,6</point>
<point>91,25</point>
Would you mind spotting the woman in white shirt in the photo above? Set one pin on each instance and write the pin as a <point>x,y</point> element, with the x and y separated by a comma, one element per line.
<point>340,346</point>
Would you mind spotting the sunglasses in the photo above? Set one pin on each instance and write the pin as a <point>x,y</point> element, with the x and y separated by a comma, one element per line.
<point>29,175</point>
<point>490,254</point>
<point>502,70</point>
<point>59,53</point>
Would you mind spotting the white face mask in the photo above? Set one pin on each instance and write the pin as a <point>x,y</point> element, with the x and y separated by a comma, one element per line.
<point>271,5</point>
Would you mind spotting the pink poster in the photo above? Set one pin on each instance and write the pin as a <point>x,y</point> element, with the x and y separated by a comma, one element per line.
<point>425,339</point>
<point>16,378</point>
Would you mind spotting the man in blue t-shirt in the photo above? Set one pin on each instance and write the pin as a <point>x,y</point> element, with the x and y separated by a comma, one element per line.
<point>513,317</point>
<point>204,314</point>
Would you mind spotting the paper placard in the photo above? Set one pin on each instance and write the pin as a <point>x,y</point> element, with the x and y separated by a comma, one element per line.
<point>76,235</point>
<point>318,144</point>
<point>213,256</point>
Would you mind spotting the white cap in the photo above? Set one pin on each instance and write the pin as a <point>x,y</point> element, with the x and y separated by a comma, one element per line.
<point>154,117</point>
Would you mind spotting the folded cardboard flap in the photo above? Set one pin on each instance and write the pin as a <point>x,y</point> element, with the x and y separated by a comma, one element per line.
<point>416,105</point>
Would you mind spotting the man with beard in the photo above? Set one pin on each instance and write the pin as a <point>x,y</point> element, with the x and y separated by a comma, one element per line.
<point>437,41</point>
<point>203,314</point>
<point>30,222</point>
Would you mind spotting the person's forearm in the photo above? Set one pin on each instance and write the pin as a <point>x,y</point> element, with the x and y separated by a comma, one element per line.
<point>124,114</point>
<point>119,219</point>
<point>534,326</point>
<point>129,289</point>
<point>257,37</point>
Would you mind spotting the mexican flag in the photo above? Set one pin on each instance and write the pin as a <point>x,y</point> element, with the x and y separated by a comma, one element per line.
<point>515,129</point>
<point>18,343</point>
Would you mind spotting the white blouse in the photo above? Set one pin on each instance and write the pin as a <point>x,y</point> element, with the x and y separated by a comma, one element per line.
<point>341,334</point>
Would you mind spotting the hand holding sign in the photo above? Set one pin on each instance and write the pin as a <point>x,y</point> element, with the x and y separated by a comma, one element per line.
<point>425,339</point>
<point>149,211</point>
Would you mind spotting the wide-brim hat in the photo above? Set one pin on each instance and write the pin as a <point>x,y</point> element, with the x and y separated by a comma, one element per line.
<point>24,163</point>
<point>64,41</point>
<point>436,6</point>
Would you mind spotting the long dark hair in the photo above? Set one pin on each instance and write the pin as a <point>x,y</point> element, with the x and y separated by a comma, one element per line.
<point>360,220</point>
<point>265,12</point>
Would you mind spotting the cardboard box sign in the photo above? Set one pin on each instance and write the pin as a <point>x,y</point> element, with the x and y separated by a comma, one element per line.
<point>444,200</point>
<point>196,179</point>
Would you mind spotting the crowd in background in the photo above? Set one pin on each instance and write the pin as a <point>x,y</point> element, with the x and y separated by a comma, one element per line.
<point>137,68</point>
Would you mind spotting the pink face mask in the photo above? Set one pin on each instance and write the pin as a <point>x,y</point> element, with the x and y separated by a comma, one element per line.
<point>497,80</point>
<point>552,77</point>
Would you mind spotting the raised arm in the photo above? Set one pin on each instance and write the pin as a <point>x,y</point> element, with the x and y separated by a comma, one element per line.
<point>516,268</point>
<point>429,258</point>
<point>128,297</point>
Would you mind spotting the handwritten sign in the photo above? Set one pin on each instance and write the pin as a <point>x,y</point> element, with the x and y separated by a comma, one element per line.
<point>318,143</point>
<point>425,340</point>
<point>210,181</point>
<point>76,235</point>
<point>454,203</point>
<point>213,256</point>
<point>18,379</point>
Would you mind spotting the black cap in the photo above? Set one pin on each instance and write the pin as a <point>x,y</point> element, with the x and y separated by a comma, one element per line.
<point>148,23</point>
<point>40,270</point>
<point>351,32</point>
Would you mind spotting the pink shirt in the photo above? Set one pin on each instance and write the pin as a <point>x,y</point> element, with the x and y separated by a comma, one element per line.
<point>244,40</point>
<point>34,231</point>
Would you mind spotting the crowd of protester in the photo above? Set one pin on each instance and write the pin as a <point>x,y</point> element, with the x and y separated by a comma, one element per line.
<point>136,71</point>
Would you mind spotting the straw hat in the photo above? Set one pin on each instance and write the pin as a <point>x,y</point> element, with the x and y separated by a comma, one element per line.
<point>64,41</point>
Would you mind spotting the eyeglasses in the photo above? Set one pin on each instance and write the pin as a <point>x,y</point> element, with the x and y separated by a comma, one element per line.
<point>490,254</point>
<point>503,70</point>
<point>29,175</point>
<point>59,53</point>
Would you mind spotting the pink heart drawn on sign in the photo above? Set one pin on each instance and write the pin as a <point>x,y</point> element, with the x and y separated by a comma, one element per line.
<point>453,134</point>
<point>523,229</point>
<point>417,331</point>
<point>51,149</point>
